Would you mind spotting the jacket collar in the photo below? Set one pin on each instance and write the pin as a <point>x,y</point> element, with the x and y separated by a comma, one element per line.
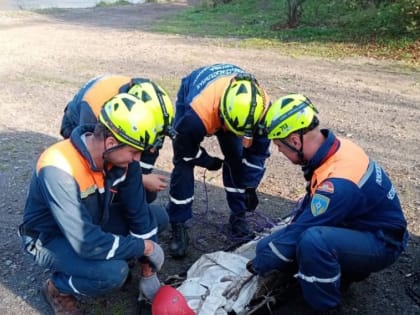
<point>328,148</point>
<point>77,138</point>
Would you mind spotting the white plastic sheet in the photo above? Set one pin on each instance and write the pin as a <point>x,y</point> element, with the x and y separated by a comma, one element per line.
<point>203,288</point>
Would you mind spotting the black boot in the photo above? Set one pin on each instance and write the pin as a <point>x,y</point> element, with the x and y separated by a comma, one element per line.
<point>240,227</point>
<point>180,240</point>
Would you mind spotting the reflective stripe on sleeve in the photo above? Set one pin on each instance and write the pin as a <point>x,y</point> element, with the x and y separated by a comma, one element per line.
<point>115,245</point>
<point>146,235</point>
<point>187,159</point>
<point>244,161</point>
<point>119,180</point>
<point>146,166</point>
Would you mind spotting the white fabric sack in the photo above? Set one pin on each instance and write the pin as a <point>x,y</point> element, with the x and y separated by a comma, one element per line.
<point>203,288</point>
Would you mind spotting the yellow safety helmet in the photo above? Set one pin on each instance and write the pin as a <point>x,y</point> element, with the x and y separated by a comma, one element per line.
<point>289,114</point>
<point>152,93</point>
<point>131,121</point>
<point>242,105</point>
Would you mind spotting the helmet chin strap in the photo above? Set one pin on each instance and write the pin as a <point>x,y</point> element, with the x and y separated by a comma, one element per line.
<point>302,160</point>
<point>112,149</point>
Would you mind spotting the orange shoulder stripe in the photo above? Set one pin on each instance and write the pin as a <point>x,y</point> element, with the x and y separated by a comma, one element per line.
<point>64,156</point>
<point>349,162</point>
<point>103,90</point>
<point>206,104</point>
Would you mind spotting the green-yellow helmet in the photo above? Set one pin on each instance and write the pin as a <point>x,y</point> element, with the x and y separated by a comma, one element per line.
<point>289,114</point>
<point>242,105</point>
<point>131,121</point>
<point>152,93</point>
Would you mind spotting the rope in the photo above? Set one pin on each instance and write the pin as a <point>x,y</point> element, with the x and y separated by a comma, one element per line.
<point>218,231</point>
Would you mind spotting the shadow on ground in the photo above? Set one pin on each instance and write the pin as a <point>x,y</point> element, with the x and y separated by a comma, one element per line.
<point>208,228</point>
<point>19,152</point>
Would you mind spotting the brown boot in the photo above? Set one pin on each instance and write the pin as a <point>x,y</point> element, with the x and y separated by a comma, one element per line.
<point>61,304</point>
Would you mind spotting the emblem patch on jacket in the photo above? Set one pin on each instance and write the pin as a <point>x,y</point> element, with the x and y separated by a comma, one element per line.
<point>319,204</point>
<point>326,186</point>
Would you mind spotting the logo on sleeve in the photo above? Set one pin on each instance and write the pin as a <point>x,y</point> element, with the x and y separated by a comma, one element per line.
<point>319,204</point>
<point>326,186</point>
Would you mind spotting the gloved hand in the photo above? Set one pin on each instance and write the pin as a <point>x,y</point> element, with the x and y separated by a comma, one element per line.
<point>148,286</point>
<point>157,257</point>
<point>237,283</point>
<point>251,198</point>
<point>215,164</point>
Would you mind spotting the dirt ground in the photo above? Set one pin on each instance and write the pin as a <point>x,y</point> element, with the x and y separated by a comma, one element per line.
<point>46,56</point>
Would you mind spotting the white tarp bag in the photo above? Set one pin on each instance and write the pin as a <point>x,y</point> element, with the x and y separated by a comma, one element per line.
<point>203,288</point>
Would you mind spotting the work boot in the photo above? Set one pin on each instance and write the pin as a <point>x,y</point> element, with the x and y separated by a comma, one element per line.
<point>240,226</point>
<point>61,304</point>
<point>180,240</point>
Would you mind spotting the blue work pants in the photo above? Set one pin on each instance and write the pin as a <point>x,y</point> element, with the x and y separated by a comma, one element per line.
<point>325,254</point>
<point>182,180</point>
<point>73,274</point>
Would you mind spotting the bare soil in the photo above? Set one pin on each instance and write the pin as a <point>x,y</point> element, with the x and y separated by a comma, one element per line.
<point>46,56</point>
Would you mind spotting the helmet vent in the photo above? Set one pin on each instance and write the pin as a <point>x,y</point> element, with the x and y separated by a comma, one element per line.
<point>242,89</point>
<point>286,101</point>
<point>129,103</point>
<point>145,97</point>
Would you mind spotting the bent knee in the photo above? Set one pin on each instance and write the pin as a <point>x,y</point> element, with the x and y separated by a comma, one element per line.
<point>116,275</point>
<point>311,243</point>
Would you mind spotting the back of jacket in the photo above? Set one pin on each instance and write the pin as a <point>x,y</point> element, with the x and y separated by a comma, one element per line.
<point>87,103</point>
<point>85,107</point>
<point>197,116</point>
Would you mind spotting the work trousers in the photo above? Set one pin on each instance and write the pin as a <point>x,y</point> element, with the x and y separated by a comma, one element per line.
<point>182,180</point>
<point>325,255</point>
<point>73,274</point>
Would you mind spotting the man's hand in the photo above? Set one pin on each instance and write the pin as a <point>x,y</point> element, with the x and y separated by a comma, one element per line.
<point>237,283</point>
<point>155,182</point>
<point>251,198</point>
<point>154,253</point>
<point>215,164</point>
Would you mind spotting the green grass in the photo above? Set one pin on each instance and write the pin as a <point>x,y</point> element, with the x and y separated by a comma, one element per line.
<point>112,3</point>
<point>327,28</point>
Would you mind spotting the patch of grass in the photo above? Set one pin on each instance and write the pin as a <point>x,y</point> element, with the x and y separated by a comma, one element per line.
<point>327,27</point>
<point>112,3</point>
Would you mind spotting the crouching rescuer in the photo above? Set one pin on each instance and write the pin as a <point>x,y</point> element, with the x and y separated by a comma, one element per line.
<point>86,213</point>
<point>350,222</point>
